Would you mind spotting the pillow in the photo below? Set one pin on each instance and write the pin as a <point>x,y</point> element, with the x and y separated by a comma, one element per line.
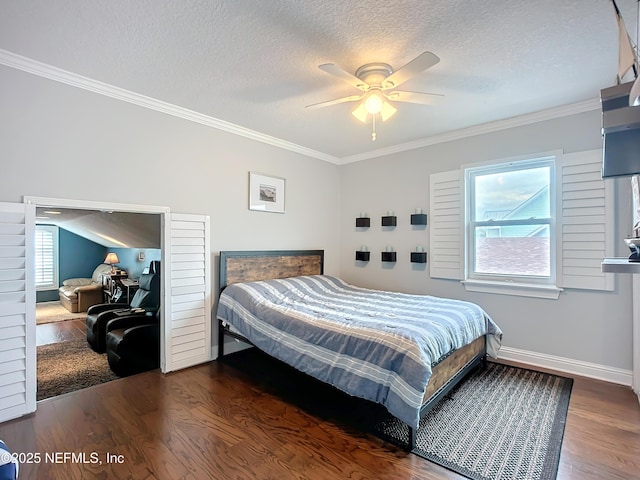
<point>8,464</point>
<point>100,270</point>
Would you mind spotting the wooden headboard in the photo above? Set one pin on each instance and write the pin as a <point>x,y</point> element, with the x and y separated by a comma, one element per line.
<point>253,266</point>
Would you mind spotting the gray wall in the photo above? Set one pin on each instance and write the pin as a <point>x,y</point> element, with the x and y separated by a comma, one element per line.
<point>586,326</point>
<point>62,142</point>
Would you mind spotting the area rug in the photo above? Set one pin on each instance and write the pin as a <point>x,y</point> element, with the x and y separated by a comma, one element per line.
<point>501,423</point>
<point>49,312</point>
<point>68,366</point>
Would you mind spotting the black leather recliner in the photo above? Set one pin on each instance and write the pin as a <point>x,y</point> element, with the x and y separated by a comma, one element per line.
<point>147,298</point>
<point>133,344</point>
<point>154,266</point>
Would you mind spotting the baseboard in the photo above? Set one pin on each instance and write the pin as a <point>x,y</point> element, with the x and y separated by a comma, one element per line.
<point>568,365</point>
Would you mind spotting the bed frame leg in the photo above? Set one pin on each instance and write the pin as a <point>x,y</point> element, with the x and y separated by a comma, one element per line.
<point>412,438</point>
<point>220,339</point>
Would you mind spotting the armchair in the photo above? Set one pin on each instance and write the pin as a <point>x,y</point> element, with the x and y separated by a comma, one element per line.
<point>146,301</point>
<point>78,294</point>
<point>133,344</point>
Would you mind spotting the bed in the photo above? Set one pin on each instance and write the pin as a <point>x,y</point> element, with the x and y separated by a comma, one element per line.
<point>372,344</point>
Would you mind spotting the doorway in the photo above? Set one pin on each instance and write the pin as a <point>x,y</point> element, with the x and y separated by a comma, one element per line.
<point>85,238</point>
<point>185,320</point>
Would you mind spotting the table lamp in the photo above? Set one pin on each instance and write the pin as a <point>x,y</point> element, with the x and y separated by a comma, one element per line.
<point>112,259</point>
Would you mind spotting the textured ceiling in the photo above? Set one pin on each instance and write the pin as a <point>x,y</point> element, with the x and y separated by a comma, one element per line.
<point>254,63</point>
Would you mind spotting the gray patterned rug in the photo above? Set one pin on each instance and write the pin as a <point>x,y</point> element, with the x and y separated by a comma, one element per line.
<point>501,423</point>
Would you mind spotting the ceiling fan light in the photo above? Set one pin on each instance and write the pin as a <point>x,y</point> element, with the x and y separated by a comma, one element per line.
<point>361,113</point>
<point>387,111</point>
<point>373,104</point>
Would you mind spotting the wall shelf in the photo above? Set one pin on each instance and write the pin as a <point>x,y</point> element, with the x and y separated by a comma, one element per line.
<point>619,265</point>
<point>389,221</point>
<point>418,219</point>
<point>363,222</point>
<point>388,256</point>
<point>362,256</point>
<point>418,257</point>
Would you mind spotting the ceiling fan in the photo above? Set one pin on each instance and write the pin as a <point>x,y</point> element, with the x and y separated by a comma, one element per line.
<point>378,82</point>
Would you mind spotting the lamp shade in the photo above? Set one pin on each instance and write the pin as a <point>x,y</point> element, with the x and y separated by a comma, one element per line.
<point>111,258</point>
<point>361,113</point>
<point>387,111</point>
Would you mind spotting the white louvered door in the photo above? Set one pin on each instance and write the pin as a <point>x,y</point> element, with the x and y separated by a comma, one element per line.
<point>17,311</point>
<point>187,326</point>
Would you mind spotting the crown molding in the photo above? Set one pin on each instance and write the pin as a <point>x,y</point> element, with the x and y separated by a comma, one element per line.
<point>528,119</point>
<point>44,70</point>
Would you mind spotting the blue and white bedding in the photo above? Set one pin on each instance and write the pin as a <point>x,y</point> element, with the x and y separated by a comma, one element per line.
<point>372,344</point>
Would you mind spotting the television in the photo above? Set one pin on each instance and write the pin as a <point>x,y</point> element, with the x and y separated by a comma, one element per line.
<point>620,132</point>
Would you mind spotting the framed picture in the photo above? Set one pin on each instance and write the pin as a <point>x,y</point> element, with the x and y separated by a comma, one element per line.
<point>266,193</point>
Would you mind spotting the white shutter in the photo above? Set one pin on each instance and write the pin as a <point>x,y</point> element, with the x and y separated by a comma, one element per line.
<point>585,222</point>
<point>17,311</point>
<point>46,257</point>
<point>187,318</point>
<point>446,243</point>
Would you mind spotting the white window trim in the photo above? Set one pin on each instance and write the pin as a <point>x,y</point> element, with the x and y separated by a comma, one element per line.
<point>523,163</point>
<point>513,288</point>
<point>513,284</point>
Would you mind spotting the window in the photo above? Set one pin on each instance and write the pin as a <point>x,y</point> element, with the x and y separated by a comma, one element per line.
<point>528,227</point>
<point>510,228</point>
<point>46,258</point>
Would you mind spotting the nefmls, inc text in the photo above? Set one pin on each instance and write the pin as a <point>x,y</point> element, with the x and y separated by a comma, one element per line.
<point>94,458</point>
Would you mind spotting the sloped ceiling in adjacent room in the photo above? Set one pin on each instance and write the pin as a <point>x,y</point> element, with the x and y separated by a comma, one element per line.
<point>111,229</point>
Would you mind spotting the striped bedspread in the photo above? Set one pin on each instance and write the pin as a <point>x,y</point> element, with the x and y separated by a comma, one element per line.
<point>372,344</point>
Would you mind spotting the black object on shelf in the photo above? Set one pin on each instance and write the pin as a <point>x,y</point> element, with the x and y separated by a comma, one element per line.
<point>389,256</point>
<point>362,256</point>
<point>418,219</point>
<point>389,221</point>
<point>418,257</point>
<point>363,222</point>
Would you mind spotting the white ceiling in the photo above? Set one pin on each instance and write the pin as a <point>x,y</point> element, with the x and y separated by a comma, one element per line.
<point>254,63</point>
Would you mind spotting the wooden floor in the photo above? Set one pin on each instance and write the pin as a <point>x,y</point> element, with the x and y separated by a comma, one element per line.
<point>224,420</point>
<point>60,331</point>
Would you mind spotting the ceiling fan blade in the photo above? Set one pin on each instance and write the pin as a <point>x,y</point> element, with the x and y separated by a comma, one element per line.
<point>351,98</point>
<point>419,64</point>
<point>414,97</point>
<point>339,72</point>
